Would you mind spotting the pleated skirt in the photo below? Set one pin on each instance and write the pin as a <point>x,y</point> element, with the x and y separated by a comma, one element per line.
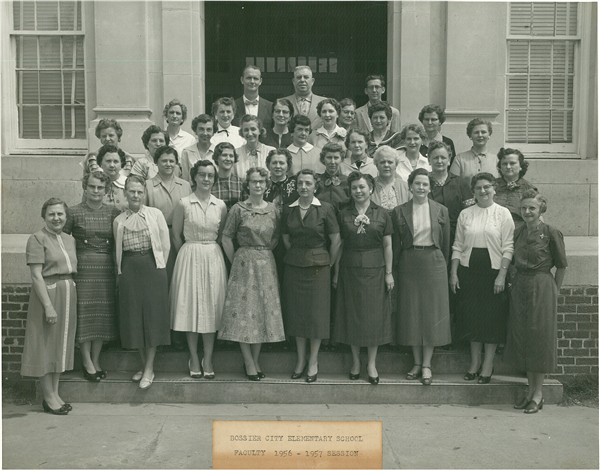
<point>143,303</point>
<point>482,315</point>
<point>423,303</point>
<point>306,301</point>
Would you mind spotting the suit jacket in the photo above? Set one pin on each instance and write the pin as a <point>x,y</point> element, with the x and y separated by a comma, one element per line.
<point>265,112</point>
<point>364,122</point>
<point>402,219</point>
<point>315,119</point>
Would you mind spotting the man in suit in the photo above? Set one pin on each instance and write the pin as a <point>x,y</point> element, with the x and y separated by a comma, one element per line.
<point>250,102</point>
<point>374,89</point>
<point>304,101</point>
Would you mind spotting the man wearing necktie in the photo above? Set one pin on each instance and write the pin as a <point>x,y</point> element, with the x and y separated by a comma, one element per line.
<point>251,102</point>
<point>304,100</point>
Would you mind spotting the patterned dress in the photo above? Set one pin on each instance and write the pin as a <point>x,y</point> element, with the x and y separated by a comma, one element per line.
<point>252,311</point>
<point>49,348</point>
<point>95,242</point>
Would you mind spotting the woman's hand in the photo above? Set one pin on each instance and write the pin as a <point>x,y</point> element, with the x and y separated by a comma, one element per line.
<point>499,283</point>
<point>334,281</point>
<point>51,316</point>
<point>389,281</point>
<point>454,284</point>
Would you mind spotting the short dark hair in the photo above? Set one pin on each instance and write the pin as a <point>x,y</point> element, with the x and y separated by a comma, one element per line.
<point>441,114</point>
<point>284,102</point>
<point>280,151</point>
<point>225,101</point>
<point>380,106</point>
<point>414,127</point>
<point>103,177</point>
<point>415,173</point>
<point>220,147</point>
<point>330,148</point>
<point>202,118</point>
<point>477,122</point>
<point>154,129</point>
<point>53,201</point>
<point>522,162</point>
<point>381,78</point>
<point>301,120</point>
<point>534,194</point>
<point>171,104</point>
<point>307,171</point>
<point>162,150</point>
<point>110,149</point>
<point>329,101</point>
<point>248,118</point>
<point>133,178</point>
<point>355,176</point>
<point>363,132</point>
<point>263,172</point>
<point>488,177</point>
<point>435,145</point>
<point>194,171</point>
<point>109,123</point>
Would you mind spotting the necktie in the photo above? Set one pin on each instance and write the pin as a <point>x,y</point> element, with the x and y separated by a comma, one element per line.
<point>251,102</point>
<point>223,130</point>
<point>304,106</point>
<point>358,164</point>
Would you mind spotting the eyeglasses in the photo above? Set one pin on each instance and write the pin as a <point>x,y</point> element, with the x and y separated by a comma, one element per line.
<point>483,188</point>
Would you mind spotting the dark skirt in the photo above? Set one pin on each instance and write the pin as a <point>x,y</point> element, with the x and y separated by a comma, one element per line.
<point>363,308</point>
<point>306,299</point>
<point>96,305</point>
<point>423,310</point>
<point>531,339</point>
<point>482,315</point>
<point>144,319</point>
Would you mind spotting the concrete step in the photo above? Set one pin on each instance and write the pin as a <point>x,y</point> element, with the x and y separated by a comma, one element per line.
<point>231,361</point>
<point>278,388</point>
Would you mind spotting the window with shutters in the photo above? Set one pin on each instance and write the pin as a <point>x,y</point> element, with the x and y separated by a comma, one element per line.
<point>47,42</point>
<point>542,50</point>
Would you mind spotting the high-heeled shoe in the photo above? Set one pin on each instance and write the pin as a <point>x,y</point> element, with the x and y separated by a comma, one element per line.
<point>485,379</point>
<point>260,374</point>
<point>101,373</point>
<point>356,376</point>
<point>299,375</point>
<point>61,411</point>
<point>426,380</point>
<point>255,377</point>
<point>68,407</point>
<point>195,374</point>
<point>374,381</point>
<point>312,378</point>
<point>471,376</point>
<point>207,375</point>
<point>93,377</point>
<point>533,406</point>
<point>522,404</point>
<point>412,376</point>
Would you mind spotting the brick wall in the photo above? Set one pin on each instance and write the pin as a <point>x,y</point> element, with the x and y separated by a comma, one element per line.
<point>577,330</point>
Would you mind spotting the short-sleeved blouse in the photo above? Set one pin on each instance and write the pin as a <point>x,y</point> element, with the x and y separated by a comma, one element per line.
<point>380,225</point>
<point>199,225</point>
<point>92,228</point>
<point>308,233</point>
<point>56,252</point>
<point>253,227</point>
<point>539,250</point>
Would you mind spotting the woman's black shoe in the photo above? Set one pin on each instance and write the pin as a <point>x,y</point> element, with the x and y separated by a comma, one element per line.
<point>255,377</point>
<point>472,376</point>
<point>101,374</point>
<point>67,407</point>
<point>356,376</point>
<point>261,375</point>
<point>93,377</point>
<point>61,411</point>
<point>374,381</point>
<point>299,375</point>
<point>533,407</point>
<point>522,405</point>
<point>485,379</point>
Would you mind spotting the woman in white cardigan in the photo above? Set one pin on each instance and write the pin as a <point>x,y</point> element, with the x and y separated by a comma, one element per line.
<point>482,251</point>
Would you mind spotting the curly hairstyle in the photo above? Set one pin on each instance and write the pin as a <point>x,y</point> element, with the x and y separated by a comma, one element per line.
<point>171,104</point>
<point>98,175</point>
<point>53,201</point>
<point>110,149</point>
<point>362,132</point>
<point>435,145</point>
<point>329,101</point>
<point>109,123</point>
<point>263,172</point>
<point>162,150</point>
<point>154,129</point>
<point>418,128</point>
<point>385,151</point>
<point>331,148</point>
<point>477,122</point>
<point>281,151</point>
<point>488,177</point>
<point>522,162</point>
<point>355,176</point>
<point>307,171</point>
<point>380,106</point>
<point>220,147</point>
<point>204,119</point>
<point>196,167</point>
<point>225,101</point>
<point>249,118</point>
<point>301,120</point>
<point>533,194</point>
<point>381,78</point>
<point>285,102</point>
<point>441,114</point>
<point>415,173</point>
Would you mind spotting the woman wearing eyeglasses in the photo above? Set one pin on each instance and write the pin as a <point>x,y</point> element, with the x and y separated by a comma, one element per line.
<point>482,251</point>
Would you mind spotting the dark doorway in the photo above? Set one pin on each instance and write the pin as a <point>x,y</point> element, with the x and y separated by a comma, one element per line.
<point>342,42</point>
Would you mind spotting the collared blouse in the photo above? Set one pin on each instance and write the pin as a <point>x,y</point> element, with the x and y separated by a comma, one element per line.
<point>539,250</point>
<point>404,167</point>
<point>469,163</point>
<point>320,137</point>
<point>166,196</point>
<point>55,252</point>
<point>282,193</point>
<point>333,189</point>
<point>189,157</point>
<point>248,159</point>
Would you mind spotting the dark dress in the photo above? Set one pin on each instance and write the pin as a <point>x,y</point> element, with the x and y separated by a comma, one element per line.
<point>333,190</point>
<point>49,348</point>
<point>96,289</point>
<point>272,139</point>
<point>423,311</point>
<point>306,291</point>
<point>509,196</point>
<point>391,139</point>
<point>455,194</point>
<point>446,140</point>
<point>531,341</point>
<point>363,308</point>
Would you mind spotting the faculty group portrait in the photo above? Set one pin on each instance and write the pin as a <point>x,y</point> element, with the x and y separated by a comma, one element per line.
<point>307,219</point>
